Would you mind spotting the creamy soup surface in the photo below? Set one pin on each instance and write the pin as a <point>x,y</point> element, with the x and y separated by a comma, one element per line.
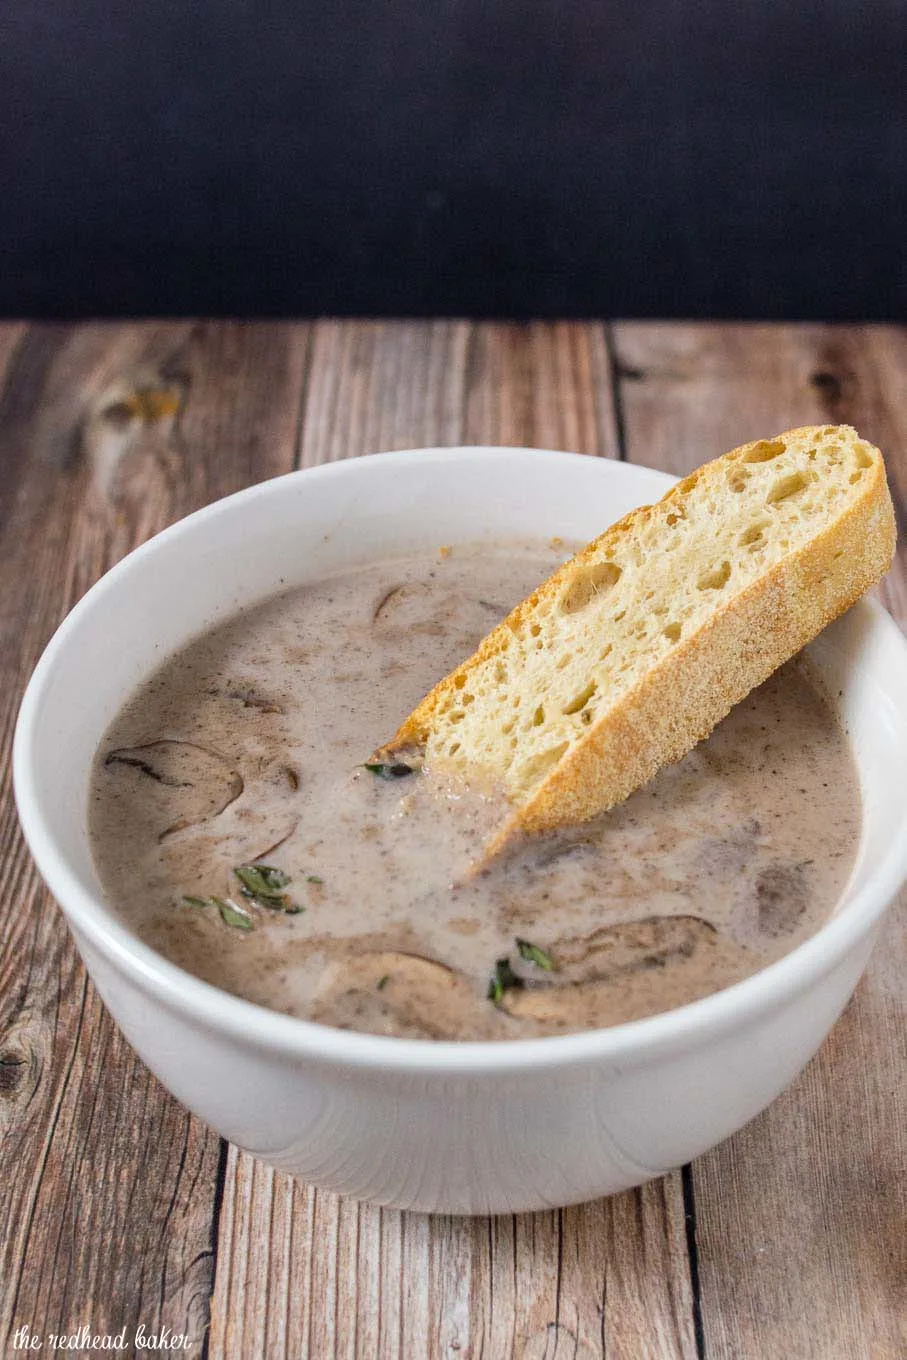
<point>246,749</point>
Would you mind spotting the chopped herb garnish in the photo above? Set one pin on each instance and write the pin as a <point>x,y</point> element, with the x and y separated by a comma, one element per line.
<point>231,914</point>
<point>264,884</point>
<point>503,979</point>
<point>261,884</point>
<point>262,880</point>
<point>387,770</point>
<point>532,954</point>
<point>313,878</point>
<point>382,982</point>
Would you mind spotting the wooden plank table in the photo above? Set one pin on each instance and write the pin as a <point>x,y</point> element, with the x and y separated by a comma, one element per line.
<point>118,1209</point>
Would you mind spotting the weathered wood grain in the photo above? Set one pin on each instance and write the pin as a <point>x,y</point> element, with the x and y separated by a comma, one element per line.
<point>107,1203</point>
<point>305,1274</point>
<point>542,386</point>
<point>377,385</point>
<point>800,1218</point>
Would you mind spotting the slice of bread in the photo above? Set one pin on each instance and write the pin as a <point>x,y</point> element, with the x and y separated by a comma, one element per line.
<point>632,651</point>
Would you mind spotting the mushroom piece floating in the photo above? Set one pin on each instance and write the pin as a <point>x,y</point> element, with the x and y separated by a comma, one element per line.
<point>630,945</point>
<point>195,783</point>
<point>579,986</point>
<point>420,607</point>
<point>391,992</point>
<point>252,827</point>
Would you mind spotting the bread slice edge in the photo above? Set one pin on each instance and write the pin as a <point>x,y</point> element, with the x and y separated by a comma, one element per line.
<point>682,697</point>
<point>681,700</point>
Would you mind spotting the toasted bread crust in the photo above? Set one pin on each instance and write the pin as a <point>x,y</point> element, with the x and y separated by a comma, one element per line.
<point>680,698</point>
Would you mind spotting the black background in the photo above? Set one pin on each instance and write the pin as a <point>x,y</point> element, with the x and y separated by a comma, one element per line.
<point>468,157</point>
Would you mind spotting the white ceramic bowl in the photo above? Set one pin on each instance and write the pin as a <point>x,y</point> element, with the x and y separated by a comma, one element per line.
<point>470,1127</point>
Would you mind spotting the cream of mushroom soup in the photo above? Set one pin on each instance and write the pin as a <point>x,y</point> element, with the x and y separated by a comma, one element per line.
<point>239,830</point>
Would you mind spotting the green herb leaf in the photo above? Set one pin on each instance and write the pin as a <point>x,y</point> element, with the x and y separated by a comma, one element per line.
<point>532,954</point>
<point>262,880</point>
<point>503,979</point>
<point>264,885</point>
<point>382,982</point>
<point>231,914</point>
<point>197,901</point>
<point>386,770</point>
<point>313,878</point>
<point>282,903</point>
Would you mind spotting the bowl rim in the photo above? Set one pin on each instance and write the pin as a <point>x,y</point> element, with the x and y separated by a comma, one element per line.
<point>258,1027</point>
